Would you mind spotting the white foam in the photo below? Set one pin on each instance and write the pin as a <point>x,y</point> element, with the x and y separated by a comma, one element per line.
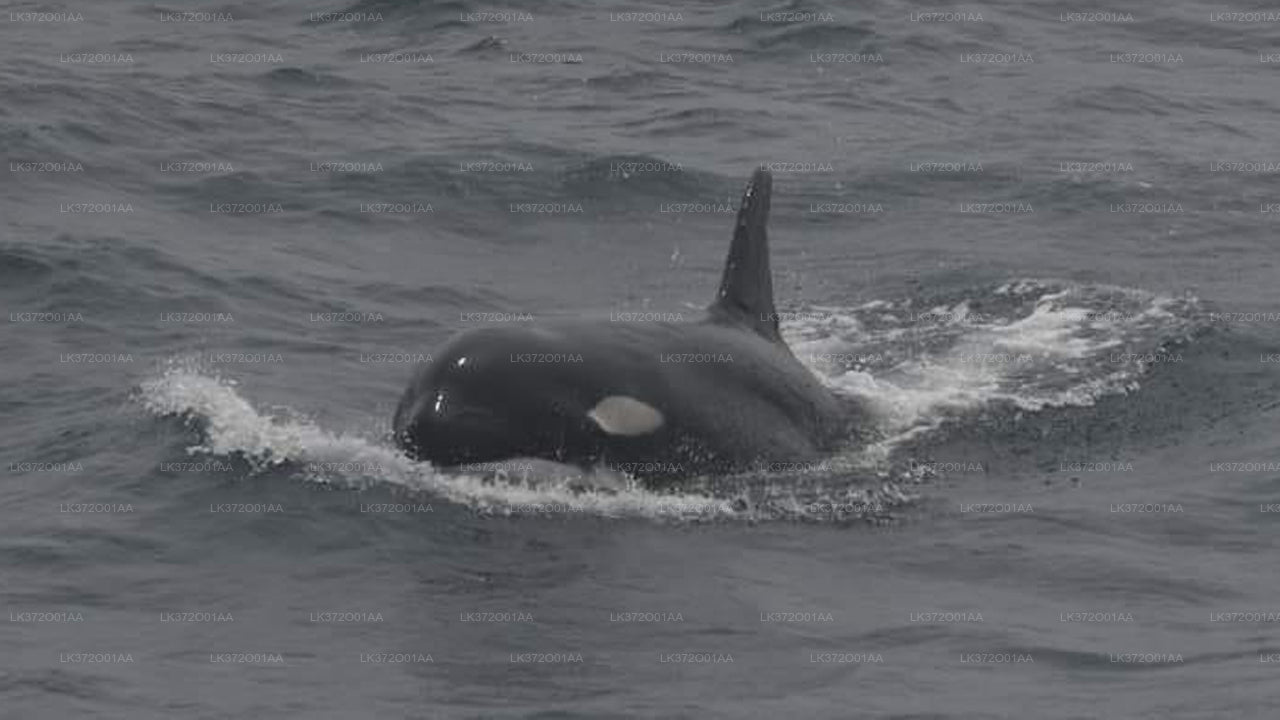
<point>1052,355</point>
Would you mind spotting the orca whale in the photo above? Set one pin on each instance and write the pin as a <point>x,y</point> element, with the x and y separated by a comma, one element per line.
<point>720,395</point>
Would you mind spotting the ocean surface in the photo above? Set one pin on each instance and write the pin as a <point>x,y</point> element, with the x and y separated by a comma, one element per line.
<point>1038,248</point>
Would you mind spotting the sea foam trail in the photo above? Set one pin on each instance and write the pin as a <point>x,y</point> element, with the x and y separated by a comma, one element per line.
<point>1034,345</point>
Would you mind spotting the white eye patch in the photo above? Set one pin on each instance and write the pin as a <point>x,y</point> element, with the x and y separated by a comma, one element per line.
<point>623,415</point>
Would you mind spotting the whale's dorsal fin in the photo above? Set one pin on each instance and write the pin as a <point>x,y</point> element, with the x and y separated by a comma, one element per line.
<point>746,289</point>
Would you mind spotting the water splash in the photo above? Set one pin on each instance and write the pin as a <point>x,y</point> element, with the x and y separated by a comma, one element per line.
<point>1029,344</point>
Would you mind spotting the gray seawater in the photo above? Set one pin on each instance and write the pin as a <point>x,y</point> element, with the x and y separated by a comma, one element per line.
<point>1065,510</point>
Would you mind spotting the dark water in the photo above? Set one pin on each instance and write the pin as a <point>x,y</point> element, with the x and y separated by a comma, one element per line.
<point>1074,397</point>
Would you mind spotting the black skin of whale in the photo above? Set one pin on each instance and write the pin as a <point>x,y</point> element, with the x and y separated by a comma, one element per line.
<point>729,394</point>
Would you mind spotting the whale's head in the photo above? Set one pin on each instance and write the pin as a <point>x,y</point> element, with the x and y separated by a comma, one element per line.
<point>505,392</point>
<point>464,406</point>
